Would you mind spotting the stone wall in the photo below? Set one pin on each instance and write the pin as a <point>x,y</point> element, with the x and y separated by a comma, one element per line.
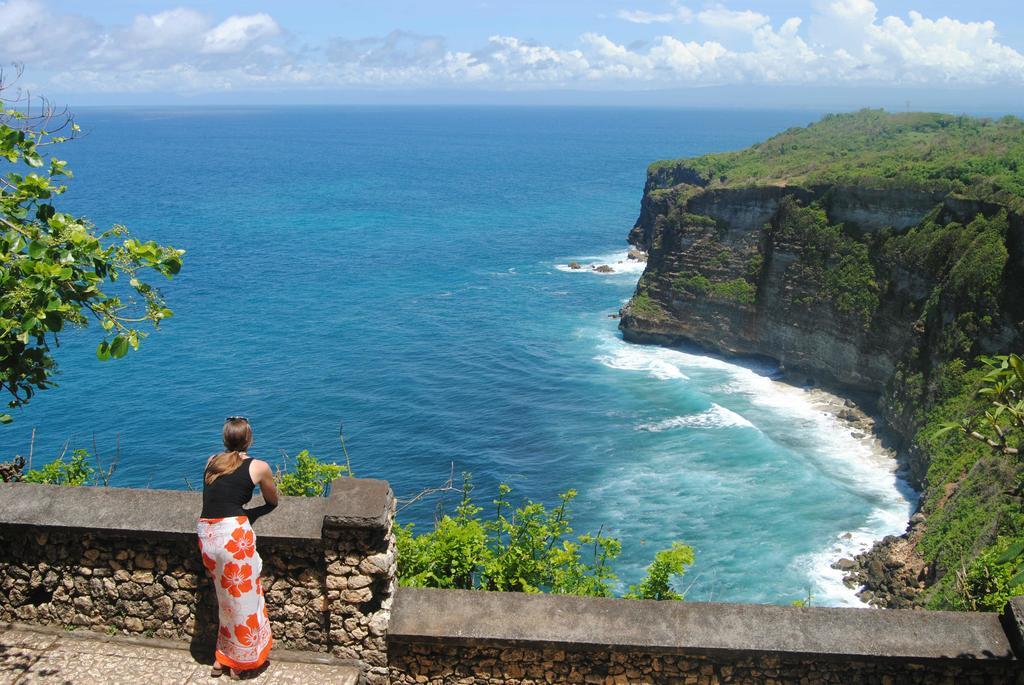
<point>126,561</point>
<point>484,638</point>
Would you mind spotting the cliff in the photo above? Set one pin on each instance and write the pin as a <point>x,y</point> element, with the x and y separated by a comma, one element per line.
<point>872,253</point>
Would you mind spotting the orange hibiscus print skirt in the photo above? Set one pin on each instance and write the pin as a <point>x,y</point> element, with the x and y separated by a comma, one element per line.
<point>228,548</point>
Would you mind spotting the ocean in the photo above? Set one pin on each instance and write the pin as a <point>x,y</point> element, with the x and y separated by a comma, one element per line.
<point>405,271</point>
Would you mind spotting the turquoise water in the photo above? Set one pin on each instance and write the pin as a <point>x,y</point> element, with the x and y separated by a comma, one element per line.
<point>404,270</point>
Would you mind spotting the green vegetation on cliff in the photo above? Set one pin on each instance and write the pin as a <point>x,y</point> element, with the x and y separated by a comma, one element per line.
<point>967,265</point>
<point>975,482</point>
<point>643,305</point>
<point>978,158</point>
<point>738,290</point>
<point>831,262</point>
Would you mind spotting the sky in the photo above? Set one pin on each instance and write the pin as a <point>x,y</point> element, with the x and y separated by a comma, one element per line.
<point>815,53</point>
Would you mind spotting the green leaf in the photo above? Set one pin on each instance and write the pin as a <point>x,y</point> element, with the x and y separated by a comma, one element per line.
<point>53,321</point>
<point>119,347</point>
<point>44,212</point>
<point>173,265</point>
<point>36,249</point>
<point>6,418</point>
<point>947,427</point>
<point>103,351</point>
<point>1017,580</point>
<point>1011,553</point>
<point>1018,366</point>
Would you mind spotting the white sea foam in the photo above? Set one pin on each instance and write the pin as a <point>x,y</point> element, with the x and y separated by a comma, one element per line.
<point>715,417</point>
<point>636,358</point>
<point>860,464</point>
<point>812,434</point>
<point>617,261</point>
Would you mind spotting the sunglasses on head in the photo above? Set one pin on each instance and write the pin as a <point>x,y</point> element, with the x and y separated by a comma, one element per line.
<point>236,418</point>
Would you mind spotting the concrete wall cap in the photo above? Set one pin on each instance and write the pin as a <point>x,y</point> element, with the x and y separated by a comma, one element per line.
<point>489,618</point>
<point>358,503</point>
<point>147,513</point>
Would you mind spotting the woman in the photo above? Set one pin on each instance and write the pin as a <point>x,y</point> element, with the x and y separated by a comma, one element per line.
<point>228,547</point>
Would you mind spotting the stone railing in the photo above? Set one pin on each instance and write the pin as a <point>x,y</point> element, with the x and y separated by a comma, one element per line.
<point>450,636</point>
<point>126,561</point>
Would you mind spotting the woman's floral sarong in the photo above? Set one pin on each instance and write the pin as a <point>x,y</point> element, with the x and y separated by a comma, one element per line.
<point>228,547</point>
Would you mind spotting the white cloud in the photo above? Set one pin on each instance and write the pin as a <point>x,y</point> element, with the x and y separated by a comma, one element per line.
<point>236,33</point>
<point>150,41</point>
<point>165,30</point>
<point>690,61</point>
<point>680,13</point>
<point>518,61</point>
<point>859,47</point>
<point>185,50</point>
<point>642,17</point>
<point>722,18</point>
<point>31,33</point>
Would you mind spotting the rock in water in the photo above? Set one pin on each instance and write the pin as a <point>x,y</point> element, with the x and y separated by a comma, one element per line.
<point>604,269</point>
<point>636,255</point>
<point>574,265</point>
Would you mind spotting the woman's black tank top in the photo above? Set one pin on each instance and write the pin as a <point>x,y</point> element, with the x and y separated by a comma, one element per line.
<point>225,496</point>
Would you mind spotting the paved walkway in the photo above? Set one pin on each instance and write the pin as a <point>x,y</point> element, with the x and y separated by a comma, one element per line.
<point>45,655</point>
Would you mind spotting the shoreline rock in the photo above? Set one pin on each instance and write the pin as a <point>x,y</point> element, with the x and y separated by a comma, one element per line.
<point>891,574</point>
<point>636,254</point>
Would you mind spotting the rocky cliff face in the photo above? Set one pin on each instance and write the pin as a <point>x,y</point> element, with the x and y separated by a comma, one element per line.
<point>859,289</point>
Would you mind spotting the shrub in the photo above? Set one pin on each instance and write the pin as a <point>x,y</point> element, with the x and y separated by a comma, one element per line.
<point>995,575</point>
<point>311,477</point>
<point>77,471</point>
<point>668,563</point>
<point>522,549</point>
<point>974,484</point>
<point>737,290</point>
<point>643,306</point>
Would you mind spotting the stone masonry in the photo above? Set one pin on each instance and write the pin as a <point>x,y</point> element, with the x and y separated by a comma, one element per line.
<point>486,638</point>
<point>442,664</point>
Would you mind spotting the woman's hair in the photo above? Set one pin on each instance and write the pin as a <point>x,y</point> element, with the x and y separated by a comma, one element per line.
<point>237,438</point>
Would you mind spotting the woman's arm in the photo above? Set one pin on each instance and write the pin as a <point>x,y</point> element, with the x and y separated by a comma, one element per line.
<point>264,477</point>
